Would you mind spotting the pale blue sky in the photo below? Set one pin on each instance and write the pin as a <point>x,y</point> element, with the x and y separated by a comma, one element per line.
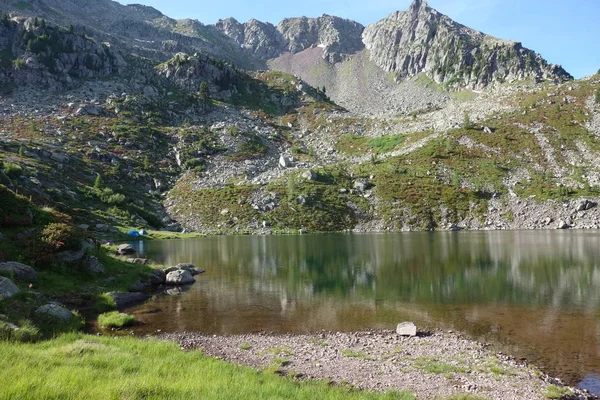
<point>566,33</point>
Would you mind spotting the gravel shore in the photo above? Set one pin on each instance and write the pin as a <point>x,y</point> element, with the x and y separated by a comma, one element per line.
<point>432,366</point>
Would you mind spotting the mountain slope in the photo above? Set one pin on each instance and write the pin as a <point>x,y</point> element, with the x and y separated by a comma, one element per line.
<point>423,40</point>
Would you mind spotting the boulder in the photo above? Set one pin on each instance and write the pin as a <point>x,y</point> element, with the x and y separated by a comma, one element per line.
<point>54,311</point>
<point>7,288</point>
<point>157,277</point>
<point>139,286</point>
<point>406,329</point>
<point>309,175</point>
<point>284,162</point>
<point>562,225</point>
<point>179,277</point>
<point>124,249</point>
<point>124,299</point>
<point>69,256</point>
<point>93,265</point>
<point>18,271</point>
<point>361,184</point>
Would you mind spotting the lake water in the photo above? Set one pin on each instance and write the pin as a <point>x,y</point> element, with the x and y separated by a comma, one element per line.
<point>533,294</point>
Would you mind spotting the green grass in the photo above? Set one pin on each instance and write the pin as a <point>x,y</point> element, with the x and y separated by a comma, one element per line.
<point>356,354</point>
<point>435,366</point>
<point>85,367</point>
<point>557,392</point>
<point>245,346</point>
<point>115,319</point>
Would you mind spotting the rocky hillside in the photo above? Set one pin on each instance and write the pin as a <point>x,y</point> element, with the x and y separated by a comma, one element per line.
<point>194,141</point>
<point>423,40</point>
<point>35,52</point>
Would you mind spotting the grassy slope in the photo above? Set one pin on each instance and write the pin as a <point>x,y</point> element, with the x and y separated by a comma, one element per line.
<point>86,367</point>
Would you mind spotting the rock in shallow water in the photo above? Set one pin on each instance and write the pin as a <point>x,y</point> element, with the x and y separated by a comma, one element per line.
<point>179,277</point>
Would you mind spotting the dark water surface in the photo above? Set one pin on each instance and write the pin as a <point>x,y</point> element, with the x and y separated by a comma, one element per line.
<point>536,294</point>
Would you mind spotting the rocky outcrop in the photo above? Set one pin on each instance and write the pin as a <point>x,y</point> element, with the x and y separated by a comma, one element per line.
<point>336,36</point>
<point>423,40</point>
<point>260,38</point>
<point>37,53</point>
<point>189,71</point>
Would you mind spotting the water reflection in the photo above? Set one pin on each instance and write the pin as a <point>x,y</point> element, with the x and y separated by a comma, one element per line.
<point>537,291</point>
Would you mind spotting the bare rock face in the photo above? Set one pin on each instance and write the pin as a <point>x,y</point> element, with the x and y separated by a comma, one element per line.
<point>423,40</point>
<point>337,36</point>
<point>260,38</point>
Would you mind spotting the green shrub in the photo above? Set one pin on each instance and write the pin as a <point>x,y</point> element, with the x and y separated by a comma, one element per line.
<point>61,236</point>
<point>115,319</point>
<point>19,63</point>
<point>597,96</point>
<point>13,171</point>
<point>15,210</point>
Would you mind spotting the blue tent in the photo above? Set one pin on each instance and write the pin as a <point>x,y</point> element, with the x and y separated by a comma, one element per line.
<point>133,233</point>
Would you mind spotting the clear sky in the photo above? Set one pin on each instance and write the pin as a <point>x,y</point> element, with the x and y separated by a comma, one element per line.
<point>563,32</point>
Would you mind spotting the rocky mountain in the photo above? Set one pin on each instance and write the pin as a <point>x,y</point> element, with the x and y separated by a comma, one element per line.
<point>423,40</point>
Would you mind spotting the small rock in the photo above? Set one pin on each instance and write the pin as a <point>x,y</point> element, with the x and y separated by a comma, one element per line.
<point>85,227</point>
<point>562,225</point>
<point>7,288</point>
<point>309,175</point>
<point>487,130</point>
<point>406,329</point>
<point>93,265</point>
<point>179,277</point>
<point>18,271</point>
<point>284,162</point>
<point>125,249</point>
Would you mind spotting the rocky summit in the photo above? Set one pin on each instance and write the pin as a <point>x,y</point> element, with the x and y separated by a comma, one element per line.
<point>115,116</point>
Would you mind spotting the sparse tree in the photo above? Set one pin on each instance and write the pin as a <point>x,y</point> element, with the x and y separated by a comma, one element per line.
<point>597,96</point>
<point>70,29</point>
<point>204,93</point>
<point>4,19</point>
<point>467,123</point>
<point>36,22</point>
<point>99,182</point>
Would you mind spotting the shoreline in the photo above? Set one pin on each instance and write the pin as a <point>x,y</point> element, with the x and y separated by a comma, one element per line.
<point>430,365</point>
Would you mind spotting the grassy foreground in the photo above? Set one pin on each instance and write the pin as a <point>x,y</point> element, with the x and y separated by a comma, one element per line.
<point>76,366</point>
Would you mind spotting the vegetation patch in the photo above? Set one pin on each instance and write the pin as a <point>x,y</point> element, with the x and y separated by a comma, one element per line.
<point>79,366</point>
<point>115,319</point>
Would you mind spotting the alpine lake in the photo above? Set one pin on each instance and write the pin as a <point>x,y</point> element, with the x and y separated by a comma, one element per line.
<point>531,294</point>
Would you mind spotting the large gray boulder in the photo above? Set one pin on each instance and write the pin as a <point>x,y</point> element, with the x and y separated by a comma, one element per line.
<point>16,270</point>
<point>54,312</point>
<point>7,288</point>
<point>179,277</point>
